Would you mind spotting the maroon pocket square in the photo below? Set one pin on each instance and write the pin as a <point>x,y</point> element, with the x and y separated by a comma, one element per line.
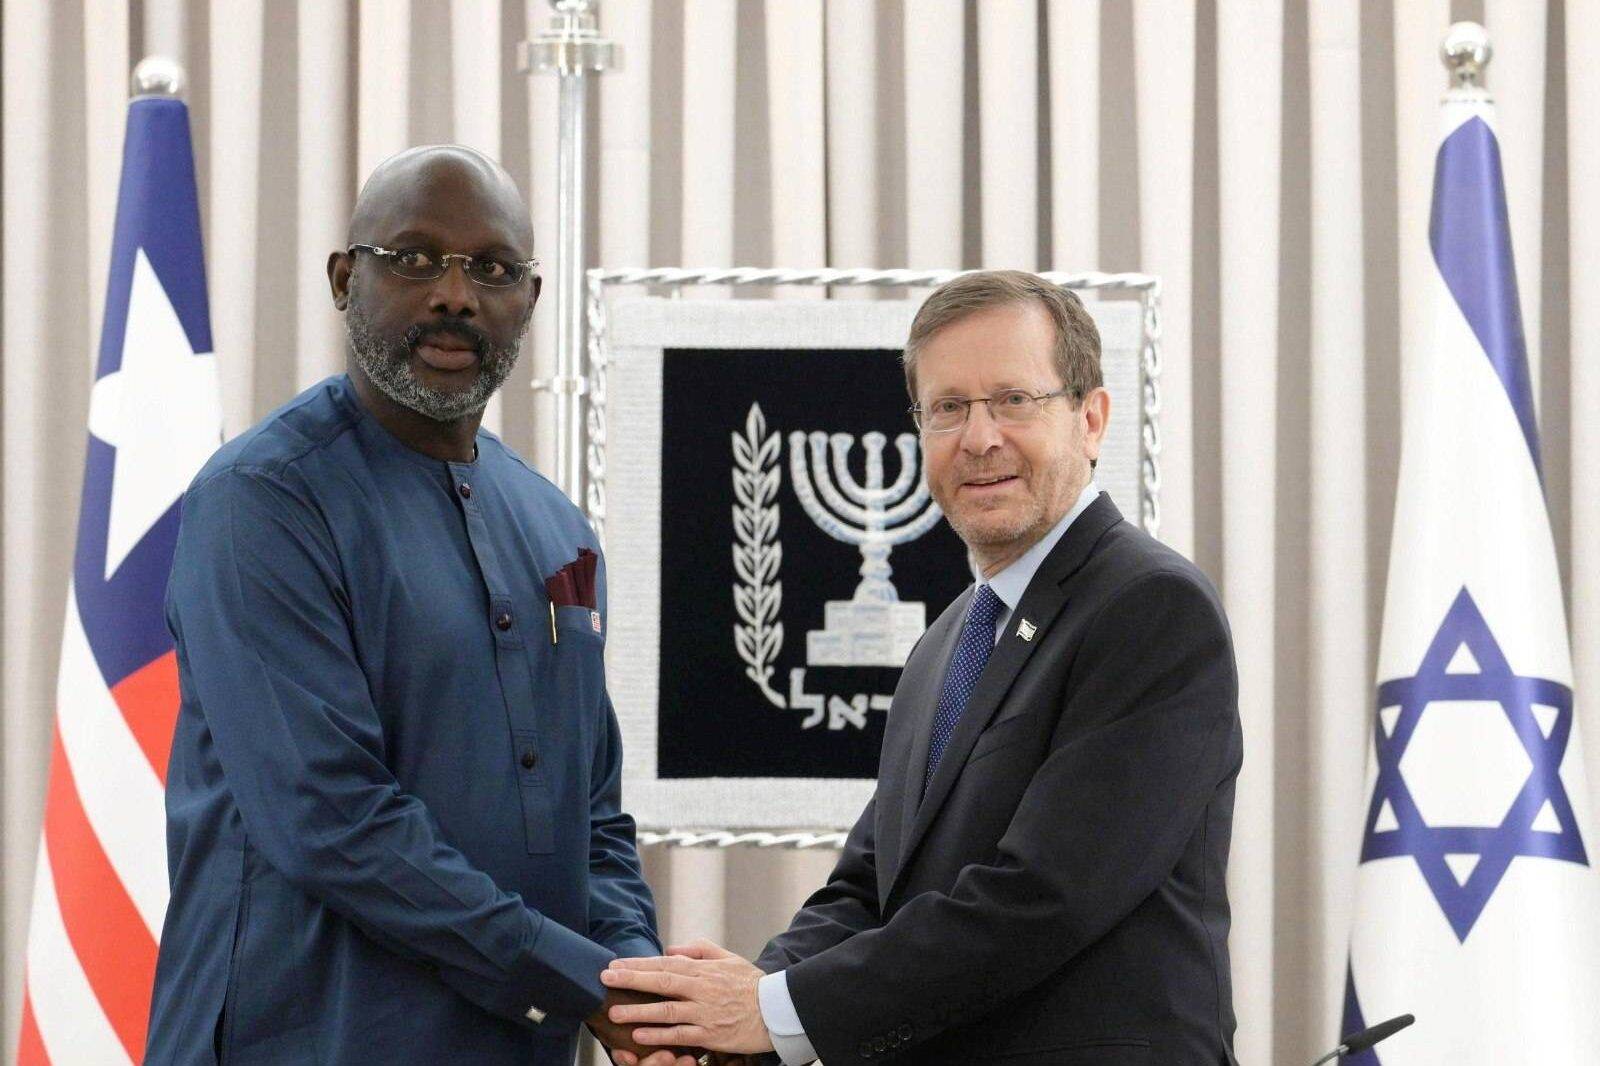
<point>573,584</point>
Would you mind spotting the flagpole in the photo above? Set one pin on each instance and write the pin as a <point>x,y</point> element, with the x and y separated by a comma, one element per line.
<point>573,48</point>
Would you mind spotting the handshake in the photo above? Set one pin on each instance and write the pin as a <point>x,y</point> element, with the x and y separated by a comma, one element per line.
<point>695,1005</point>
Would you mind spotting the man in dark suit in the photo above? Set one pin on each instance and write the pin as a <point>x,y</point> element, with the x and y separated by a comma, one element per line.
<point>1040,877</point>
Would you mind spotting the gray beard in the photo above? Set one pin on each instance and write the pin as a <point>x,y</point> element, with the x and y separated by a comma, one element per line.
<point>387,364</point>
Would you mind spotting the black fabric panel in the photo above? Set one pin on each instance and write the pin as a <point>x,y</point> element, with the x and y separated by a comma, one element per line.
<point>714,720</point>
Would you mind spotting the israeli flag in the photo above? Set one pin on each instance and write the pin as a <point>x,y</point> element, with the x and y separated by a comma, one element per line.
<point>1477,898</point>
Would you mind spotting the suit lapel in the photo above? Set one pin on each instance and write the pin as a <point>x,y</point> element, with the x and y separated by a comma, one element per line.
<point>916,695</point>
<point>925,709</point>
<point>1040,604</point>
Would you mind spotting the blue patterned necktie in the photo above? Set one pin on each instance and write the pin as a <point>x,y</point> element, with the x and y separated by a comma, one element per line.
<point>972,652</point>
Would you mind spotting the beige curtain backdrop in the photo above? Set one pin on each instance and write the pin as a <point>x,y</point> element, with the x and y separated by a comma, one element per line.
<point>1270,159</point>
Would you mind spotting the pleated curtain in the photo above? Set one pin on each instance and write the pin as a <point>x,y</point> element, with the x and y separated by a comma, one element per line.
<point>1271,160</point>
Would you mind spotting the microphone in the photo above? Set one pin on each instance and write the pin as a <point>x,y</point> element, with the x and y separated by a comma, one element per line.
<point>1358,1042</point>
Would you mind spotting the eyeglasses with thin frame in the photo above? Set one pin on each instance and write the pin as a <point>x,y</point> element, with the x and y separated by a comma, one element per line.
<point>1008,407</point>
<point>420,264</point>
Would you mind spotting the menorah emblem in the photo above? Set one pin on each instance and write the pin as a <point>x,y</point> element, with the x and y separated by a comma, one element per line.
<point>872,628</point>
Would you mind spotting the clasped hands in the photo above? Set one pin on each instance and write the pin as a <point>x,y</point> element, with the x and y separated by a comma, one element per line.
<point>698,995</point>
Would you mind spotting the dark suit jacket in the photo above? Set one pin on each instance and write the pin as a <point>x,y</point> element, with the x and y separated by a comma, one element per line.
<point>1057,896</point>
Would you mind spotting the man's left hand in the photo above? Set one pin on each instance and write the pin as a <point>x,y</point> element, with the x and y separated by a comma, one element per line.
<point>620,1043</point>
<point>711,1001</point>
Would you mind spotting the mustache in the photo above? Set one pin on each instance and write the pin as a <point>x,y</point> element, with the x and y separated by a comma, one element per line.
<point>422,332</point>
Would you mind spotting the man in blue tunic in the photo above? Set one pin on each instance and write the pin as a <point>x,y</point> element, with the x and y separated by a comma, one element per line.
<point>394,831</point>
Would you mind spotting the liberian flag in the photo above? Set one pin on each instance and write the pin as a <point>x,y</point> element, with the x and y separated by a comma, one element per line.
<point>1477,897</point>
<point>100,890</point>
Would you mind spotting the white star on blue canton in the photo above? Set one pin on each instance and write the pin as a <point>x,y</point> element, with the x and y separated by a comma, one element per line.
<point>161,410</point>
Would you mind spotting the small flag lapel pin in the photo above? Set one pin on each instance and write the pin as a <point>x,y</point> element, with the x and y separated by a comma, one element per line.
<point>1026,629</point>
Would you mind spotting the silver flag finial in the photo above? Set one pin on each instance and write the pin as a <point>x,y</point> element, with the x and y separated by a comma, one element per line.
<point>573,44</point>
<point>1466,51</point>
<point>158,76</point>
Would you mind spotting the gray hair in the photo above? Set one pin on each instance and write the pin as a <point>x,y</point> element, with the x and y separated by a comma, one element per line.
<point>1077,350</point>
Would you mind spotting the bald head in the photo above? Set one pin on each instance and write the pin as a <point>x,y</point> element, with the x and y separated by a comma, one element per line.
<point>440,179</point>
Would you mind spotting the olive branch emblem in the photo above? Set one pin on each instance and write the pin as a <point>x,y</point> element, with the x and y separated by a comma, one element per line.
<point>757,553</point>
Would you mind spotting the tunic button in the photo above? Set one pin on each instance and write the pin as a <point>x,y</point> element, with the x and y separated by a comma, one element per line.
<point>503,623</point>
<point>528,759</point>
<point>465,490</point>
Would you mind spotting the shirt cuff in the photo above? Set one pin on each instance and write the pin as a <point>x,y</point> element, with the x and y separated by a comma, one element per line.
<point>782,1022</point>
<point>633,948</point>
<point>562,974</point>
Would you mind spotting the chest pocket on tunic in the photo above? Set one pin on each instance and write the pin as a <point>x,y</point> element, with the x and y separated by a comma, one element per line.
<point>579,660</point>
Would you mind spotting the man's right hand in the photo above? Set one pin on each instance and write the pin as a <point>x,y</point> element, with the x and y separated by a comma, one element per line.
<point>618,1039</point>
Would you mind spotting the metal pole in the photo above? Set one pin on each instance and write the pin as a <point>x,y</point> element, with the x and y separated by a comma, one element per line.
<point>569,281</point>
<point>573,48</point>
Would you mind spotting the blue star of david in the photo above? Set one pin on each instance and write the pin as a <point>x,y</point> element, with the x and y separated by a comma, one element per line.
<point>1515,836</point>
